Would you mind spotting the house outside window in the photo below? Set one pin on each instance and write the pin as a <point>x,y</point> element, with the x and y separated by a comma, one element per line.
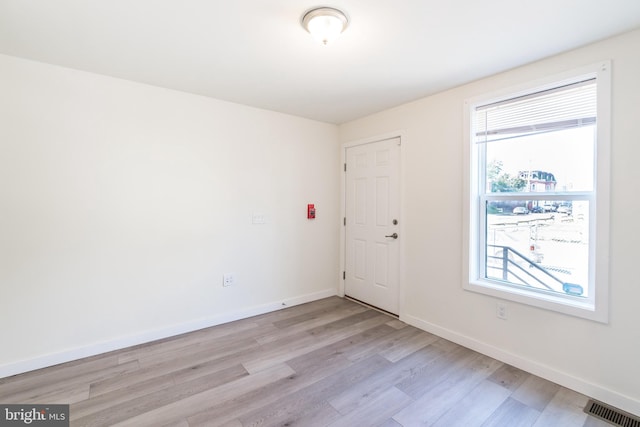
<point>537,201</point>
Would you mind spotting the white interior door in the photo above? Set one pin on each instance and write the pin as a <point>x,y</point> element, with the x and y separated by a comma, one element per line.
<point>372,223</point>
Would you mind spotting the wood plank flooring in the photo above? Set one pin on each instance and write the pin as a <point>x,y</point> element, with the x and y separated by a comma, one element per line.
<point>328,363</point>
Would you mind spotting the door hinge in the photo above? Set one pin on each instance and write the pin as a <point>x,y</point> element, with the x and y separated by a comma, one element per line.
<point>345,167</point>
<point>344,275</point>
<point>344,222</point>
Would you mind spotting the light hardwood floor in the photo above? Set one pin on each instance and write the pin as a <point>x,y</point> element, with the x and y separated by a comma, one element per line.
<point>328,363</point>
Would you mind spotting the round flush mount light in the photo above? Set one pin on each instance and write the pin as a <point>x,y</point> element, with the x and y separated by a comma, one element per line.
<point>325,23</point>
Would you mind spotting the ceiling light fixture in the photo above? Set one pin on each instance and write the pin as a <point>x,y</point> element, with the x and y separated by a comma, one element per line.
<point>325,23</point>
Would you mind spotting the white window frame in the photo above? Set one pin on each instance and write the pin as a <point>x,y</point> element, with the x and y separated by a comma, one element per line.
<point>596,305</point>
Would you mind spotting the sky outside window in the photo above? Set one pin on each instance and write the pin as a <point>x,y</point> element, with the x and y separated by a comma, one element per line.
<point>567,154</point>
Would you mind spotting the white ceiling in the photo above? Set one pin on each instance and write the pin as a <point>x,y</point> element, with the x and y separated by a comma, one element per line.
<point>255,52</point>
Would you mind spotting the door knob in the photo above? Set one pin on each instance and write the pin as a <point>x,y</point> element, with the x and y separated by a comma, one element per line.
<point>394,235</point>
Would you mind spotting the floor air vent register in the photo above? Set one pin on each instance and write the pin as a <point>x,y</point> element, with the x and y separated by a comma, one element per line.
<point>611,415</point>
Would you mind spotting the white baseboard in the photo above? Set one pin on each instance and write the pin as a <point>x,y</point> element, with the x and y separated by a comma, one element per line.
<point>148,336</point>
<point>595,391</point>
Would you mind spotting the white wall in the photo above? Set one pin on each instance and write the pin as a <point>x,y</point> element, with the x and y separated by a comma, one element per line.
<point>122,205</point>
<point>600,360</point>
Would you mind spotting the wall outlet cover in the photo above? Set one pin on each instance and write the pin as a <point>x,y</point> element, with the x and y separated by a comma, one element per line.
<point>501,311</point>
<point>228,279</point>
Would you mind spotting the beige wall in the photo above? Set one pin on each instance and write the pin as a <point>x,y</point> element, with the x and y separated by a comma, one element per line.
<point>122,205</point>
<point>597,359</point>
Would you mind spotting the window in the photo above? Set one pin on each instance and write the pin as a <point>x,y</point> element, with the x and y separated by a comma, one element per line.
<point>536,219</point>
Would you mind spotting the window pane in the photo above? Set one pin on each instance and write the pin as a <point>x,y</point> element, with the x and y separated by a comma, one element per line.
<point>540,245</point>
<point>554,161</point>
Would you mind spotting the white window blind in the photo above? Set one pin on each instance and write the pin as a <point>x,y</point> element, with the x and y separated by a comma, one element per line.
<point>569,106</point>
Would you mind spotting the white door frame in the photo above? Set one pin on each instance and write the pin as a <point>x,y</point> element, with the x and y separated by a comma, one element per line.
<point>343,212</point>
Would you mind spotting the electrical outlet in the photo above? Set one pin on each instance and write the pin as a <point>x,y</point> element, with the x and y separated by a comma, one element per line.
<point>228,279</point>
<point>501,311</point>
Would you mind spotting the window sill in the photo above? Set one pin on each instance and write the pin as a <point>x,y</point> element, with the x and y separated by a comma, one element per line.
<point>566,305</point>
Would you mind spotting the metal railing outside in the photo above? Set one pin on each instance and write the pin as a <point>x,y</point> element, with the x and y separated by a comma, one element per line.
<point>509,262</point>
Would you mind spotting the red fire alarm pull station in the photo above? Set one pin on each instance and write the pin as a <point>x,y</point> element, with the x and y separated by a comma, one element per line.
<point>311,211</point>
